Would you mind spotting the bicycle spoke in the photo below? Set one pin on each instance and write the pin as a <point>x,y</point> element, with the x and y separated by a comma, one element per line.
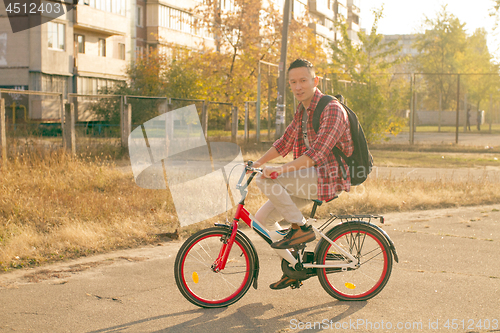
<point>200,260</point>
<point>371,258</point>
<point>201,245</point>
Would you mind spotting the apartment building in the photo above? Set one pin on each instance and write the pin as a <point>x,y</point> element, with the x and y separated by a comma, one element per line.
<point>408,50</point>
<point>89,47</point>
<point>167,22</point>
<point>82,51</point>
<point>353,19</point>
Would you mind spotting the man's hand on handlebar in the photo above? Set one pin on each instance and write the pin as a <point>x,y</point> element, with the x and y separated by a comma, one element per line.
<point>270,172</point>
<point>266,172</point>
<point>253,165</point>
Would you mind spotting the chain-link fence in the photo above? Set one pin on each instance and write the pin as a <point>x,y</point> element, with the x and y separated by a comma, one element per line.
<point>447,104</point>
<point>97,120</point>
<point>32,120</point>
<point>442,105</point>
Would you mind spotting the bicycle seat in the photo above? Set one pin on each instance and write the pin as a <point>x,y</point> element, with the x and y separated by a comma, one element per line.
<point>319,203</point>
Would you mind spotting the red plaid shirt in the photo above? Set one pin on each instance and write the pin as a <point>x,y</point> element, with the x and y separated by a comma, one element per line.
<point>333,131</point>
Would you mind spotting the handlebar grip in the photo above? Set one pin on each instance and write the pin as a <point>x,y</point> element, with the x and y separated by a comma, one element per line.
<point>274,175</point>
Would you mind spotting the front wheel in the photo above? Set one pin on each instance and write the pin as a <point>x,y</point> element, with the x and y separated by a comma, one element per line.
<point>375,262</point>
<point>195,277</point>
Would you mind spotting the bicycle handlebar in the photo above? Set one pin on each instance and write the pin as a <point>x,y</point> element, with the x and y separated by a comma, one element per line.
<point>248,167</point>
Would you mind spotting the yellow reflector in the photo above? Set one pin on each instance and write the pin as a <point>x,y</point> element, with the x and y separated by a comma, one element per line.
<point>350,285</point>
<point>195,277</point>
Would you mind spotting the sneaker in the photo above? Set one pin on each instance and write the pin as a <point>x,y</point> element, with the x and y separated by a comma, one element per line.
<point>284,282</point>
<point>295,237</point>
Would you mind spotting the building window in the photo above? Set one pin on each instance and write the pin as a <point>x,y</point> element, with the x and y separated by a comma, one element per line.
<point>56,36</point>
<point>102,47</point>
<point>112,6</point>
<point>121,49</point>
<point>139,51</point>
<point>183,21</point>
<point>139,16</point>
<point>80,43</point>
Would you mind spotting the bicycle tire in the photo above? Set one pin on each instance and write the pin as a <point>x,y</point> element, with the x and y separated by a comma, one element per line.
<point>365,281</point>
<point>196,280</point>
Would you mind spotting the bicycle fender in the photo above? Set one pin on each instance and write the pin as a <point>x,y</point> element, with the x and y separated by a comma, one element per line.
<point>373,226</point>
<point>254,252</point>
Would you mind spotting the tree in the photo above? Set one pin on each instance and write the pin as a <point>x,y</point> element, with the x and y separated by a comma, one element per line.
<point>152,75</point>
<point>225,72</point>
<point>372,93</point>
<point>441,49</point>
<point>446,48</point>
<point>479,60</point>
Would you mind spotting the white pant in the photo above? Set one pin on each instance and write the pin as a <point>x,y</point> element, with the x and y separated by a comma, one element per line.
<point>287,194</point>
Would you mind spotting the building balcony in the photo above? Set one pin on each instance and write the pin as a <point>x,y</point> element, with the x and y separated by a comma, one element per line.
<point>90,65</point>
<point>320,7</point>
<point>322,30</point>
<point>162,35</point>
<point>99,21</point>
<point>353,35</point>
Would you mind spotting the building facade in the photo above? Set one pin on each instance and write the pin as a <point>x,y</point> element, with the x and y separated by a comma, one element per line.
<point>353,19</point>
<point>82,51</point>
<point>89,47</point>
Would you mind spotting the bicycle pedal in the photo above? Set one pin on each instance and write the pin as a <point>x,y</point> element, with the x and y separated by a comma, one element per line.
<point>296,285</point>
<point>299,247</point>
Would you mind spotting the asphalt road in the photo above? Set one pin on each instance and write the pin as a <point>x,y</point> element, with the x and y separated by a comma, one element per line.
<point>447,280</point>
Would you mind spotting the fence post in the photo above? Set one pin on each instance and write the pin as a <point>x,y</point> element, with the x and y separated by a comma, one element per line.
<point>69,128</point>
<point>412,109</point>
<point>204,118</point>
<point>466,108</point>
<point>458,108</point>
<point>257,111</point>
<point>126,124</point>
<point>490,113</point>
<point>61,111</point>
<point>246,122</point>
<point>234,124</point>
<point>3,134</point>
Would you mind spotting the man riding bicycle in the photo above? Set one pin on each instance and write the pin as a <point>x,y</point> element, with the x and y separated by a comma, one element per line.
<point>314,172</point>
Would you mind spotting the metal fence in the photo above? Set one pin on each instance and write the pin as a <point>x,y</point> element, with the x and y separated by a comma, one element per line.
<point>93,121</point>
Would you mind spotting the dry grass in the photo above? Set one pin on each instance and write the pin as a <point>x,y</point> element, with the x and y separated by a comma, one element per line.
<point>54,207</point>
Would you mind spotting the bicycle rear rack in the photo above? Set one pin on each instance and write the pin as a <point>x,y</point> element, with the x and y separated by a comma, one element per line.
<point>349,218</point>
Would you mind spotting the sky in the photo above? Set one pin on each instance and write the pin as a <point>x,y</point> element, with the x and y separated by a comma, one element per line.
<point>407,16</point>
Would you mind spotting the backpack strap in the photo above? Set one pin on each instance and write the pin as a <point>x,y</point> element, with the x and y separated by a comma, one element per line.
<point>323,102</point>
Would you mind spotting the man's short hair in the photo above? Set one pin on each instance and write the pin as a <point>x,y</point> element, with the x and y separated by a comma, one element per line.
<point>303,63</point>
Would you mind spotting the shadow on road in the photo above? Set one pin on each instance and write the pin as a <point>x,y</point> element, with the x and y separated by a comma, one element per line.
<point>246,319</point>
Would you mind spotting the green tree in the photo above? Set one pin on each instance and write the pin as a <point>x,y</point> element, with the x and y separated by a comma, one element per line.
<point>152,75</point>
<point>374,95</point>
<point>445,47</point>
<point>479,60</point>
<point>441,49</point>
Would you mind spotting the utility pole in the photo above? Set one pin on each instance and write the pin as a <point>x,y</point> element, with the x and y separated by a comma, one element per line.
<point>218,23</point>
<point>281,99</point>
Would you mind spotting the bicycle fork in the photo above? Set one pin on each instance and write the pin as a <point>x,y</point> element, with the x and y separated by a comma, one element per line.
<point>220,262</point>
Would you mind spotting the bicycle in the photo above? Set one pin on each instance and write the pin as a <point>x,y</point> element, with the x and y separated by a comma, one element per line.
<point>353,260</point>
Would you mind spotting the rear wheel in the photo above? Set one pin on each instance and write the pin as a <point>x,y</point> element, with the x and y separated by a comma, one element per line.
<point>375,262</point>
<point>196,278</point>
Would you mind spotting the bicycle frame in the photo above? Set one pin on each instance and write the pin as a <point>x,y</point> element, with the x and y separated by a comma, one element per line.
<point>247,218</point>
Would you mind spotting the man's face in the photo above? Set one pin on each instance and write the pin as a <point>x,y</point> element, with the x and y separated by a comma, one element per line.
<point>302,83</point>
